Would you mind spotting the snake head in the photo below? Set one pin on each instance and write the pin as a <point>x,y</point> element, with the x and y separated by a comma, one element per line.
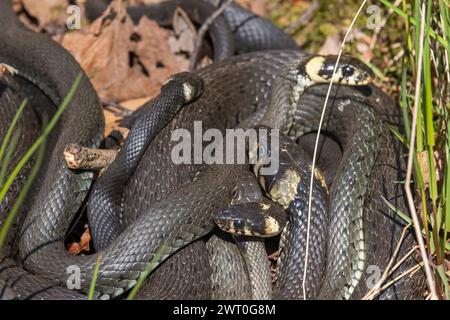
<point>247,219</point>
<point>281,187</point>
<point>350,71</point>
<point>190,84</point>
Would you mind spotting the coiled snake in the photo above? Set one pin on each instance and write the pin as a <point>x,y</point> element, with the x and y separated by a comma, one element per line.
<point>166,209</point>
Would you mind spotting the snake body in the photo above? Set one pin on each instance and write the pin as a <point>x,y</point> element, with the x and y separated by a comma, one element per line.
<point>230,281</point>
<point>250,33</point>
<point>253,248</point>
<point>46,80</point>
<point>44,70</point>
<point>158,222</point>
<point>355,240</point>
<point>290,188</point>
<point>177,225</point>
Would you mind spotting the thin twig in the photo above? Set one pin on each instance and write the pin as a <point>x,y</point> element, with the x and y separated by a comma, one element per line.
<point>386,273</point>
<point>316,145</point>
<point>412,208</point>
<point>410,271</point>
<point>375,291</point>
<point>202,32</point>
<point>81,158</point>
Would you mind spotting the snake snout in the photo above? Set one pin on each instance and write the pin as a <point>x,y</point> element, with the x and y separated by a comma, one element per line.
<point>190,84</point>
<point>247,219</point>
<point>282,187</point>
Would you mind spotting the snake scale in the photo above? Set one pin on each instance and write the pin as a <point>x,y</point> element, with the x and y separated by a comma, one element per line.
<point>240,90</point>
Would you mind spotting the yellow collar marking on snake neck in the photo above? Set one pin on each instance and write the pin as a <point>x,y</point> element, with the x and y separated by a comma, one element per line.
<point>313,67</point>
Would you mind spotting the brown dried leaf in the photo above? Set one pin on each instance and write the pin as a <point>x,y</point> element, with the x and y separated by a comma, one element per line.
<point>181,42</point>
<point>112,119</point>
<point>82,246</point>
<point>122,60</point>
<point>135,103</point>
<point>256,6</point>
<point>46,12</point>
<point>184,31</point>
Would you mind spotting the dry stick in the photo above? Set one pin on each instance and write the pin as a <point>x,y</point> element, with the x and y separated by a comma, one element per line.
<point>78,157</point>
<point>410,271</point>
<point>202,31</point>
<point>388,268</point>
<point>410,252</point>
<point>316,145</point>
<point>412,208</point>
<point>375,291</point>
<point>4,68</point>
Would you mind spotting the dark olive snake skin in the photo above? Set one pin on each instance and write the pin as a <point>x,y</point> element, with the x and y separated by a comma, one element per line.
<point>244,81</point>
<point>106,198</point>
<point>295,171</point>
<point>169,281</point>
<point>230,276</point>
<point>371,226</point>
<point>221,43</point>
<point>253,248</point>
<point>56,192</point>
<point>250,33</point>
<point>50,252</point>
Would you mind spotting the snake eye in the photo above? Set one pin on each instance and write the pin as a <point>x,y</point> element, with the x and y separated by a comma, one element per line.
<point>347,71</point>
<point>239,224</point>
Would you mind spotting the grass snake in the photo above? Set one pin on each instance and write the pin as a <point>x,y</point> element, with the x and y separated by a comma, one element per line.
<point>239,90</point>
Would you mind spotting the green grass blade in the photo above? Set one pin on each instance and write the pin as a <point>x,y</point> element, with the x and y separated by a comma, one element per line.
<point>11,129</point>
<point>21,197</point>
<point>446,191</point>
<point>41,139</point>
<point>413,21</point>
<point>94,279</point>
<point>397,211</point>
<point>443,276</point>
<point>404,103</point>
<point>397,134</point>
<point>8,156</point>
<point>152,265</point>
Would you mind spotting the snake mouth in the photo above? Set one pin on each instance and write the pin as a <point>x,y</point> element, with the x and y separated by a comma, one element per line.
<point>247,219</point>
